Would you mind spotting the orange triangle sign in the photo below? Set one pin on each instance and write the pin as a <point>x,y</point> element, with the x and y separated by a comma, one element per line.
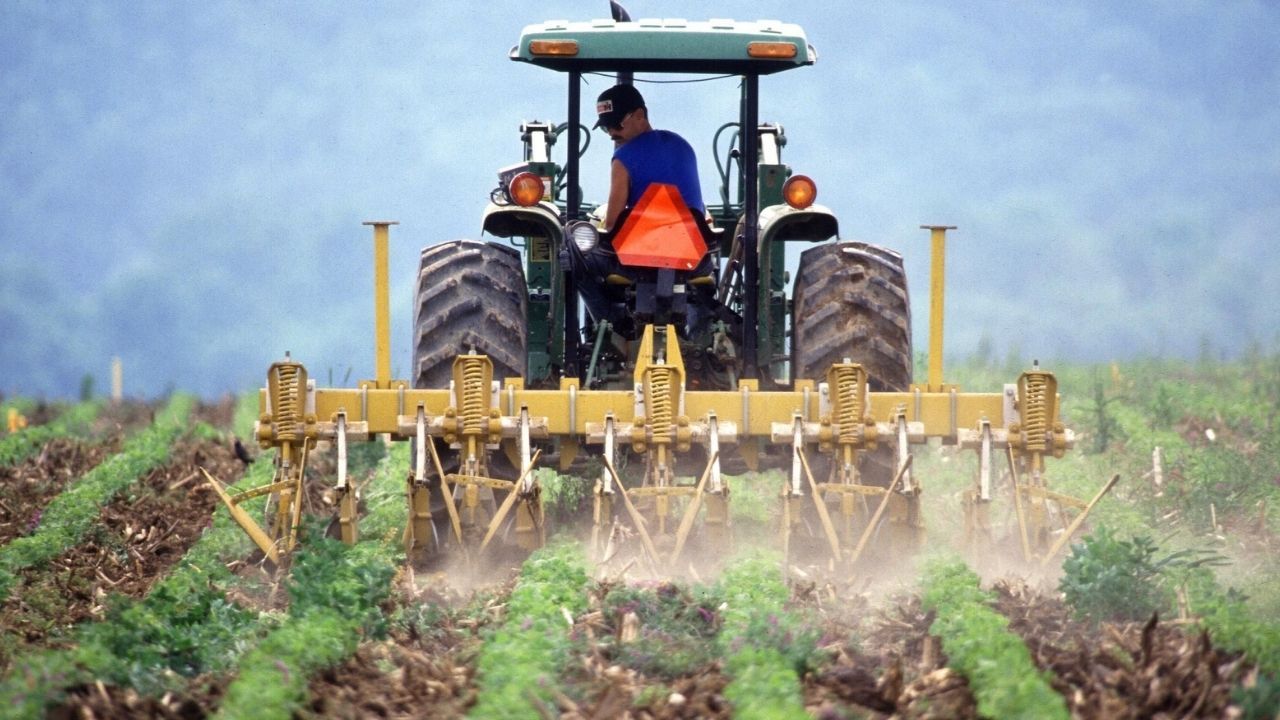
<point>660,232</point>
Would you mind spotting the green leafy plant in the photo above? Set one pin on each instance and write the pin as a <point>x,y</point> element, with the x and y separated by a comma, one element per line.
<point>565,497</point>
<point>1112,578</point>
<point>182,630</point>
<point>677,627</point>
<point>272,679</point>
<point>1231,625</point>
<point>766,648</point>
<point>1259,702</point>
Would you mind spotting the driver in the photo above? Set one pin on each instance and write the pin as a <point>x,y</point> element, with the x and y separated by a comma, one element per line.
<point>643,155</point>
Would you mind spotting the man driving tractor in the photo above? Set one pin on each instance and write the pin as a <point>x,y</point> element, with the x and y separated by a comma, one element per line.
<point>642,157</point>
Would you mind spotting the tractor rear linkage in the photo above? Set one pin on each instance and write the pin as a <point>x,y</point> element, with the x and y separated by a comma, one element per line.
<point>659,419</point>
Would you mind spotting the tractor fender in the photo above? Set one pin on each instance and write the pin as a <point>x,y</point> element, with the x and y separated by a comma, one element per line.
<point>780,223</point>
<point>506,221</point>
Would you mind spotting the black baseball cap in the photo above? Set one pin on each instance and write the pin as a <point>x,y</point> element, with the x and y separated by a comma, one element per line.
<point>614,104</point>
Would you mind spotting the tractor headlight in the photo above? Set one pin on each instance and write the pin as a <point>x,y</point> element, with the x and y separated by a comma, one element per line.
<point>584,235</point>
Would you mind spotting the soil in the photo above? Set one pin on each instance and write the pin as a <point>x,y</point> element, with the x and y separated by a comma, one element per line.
<point>30,485</point>
<point>106,702</point>
<point>893,667</point>
<point>1131,670</point>
<point>408,675</point>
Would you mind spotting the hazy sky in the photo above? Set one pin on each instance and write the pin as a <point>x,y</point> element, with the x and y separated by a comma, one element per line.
<point>182,184</point>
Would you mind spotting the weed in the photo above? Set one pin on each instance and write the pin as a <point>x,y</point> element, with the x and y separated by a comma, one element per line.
<point>564,497</point>
<point>1110,578</point>
<point>677,628</point>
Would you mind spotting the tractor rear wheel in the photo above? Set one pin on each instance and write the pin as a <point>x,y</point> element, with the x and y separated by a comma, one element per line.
<point>851,302</point>
<point>470,297</point>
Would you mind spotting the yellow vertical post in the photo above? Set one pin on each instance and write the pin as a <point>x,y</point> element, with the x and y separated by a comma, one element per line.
<point>381,304</point>
<point>937,280</point>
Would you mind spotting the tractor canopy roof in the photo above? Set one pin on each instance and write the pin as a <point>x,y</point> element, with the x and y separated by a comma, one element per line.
<point>676,46</point>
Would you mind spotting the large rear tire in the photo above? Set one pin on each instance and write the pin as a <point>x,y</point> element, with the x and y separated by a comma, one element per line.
<point>470,296</point>
<point>851,302</point>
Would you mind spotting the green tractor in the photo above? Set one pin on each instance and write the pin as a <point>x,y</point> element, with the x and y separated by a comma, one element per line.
<point>521,308</point>
<point>517,301</point>
<point>700,358</point>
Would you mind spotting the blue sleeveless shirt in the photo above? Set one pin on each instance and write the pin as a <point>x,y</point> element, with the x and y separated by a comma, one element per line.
<point>664,157</point>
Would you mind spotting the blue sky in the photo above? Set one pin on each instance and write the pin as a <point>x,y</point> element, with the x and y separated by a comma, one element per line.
<point>182,184</point>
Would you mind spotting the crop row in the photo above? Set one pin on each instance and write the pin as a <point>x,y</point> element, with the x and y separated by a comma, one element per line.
<point>336,597</point>
<point>522,659</point>
<point>184,626</point>
<point>67,517</point>
<point>1004,680</point>
<point>765,646</point>
<point>663,632</point>
<point>18,446</point>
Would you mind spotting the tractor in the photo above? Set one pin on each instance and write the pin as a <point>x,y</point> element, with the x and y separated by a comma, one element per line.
<point>710,360</point>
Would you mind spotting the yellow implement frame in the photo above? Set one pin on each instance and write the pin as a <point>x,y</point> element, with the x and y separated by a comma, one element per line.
<point>660,420</point>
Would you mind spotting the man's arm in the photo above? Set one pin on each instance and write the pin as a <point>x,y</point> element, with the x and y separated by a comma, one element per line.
<point>619,187</point>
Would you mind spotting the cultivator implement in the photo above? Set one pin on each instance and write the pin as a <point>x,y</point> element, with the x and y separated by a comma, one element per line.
<point>660,422</point>
<point>479,423</point>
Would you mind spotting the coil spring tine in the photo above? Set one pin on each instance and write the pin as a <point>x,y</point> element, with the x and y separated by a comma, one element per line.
<point>848,404</point>
<point>1035,421</point>
<point>660,411</point>
<point>287,413</point>
<point>473,390</point>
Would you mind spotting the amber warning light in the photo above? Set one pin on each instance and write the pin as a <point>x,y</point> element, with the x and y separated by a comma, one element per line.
<point>526,189</point>
<point>553,47</point>
<point>799,191</point>
<point>778,50</point>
